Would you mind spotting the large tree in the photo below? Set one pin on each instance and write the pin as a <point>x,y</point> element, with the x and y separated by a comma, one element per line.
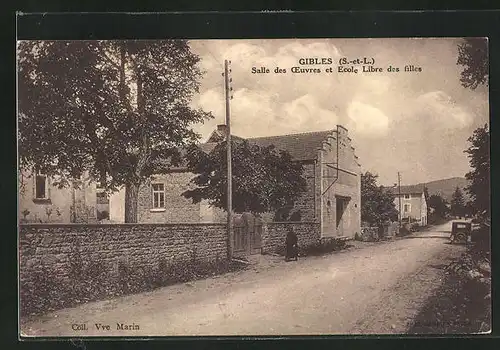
<point>479,177</point>
<point>438,207</point>
<point>457,203</point>
<point>427,196</point>
<point>263,178</point>
<point>119,110</point>
<point>377,203</point>
<point>473,57</point>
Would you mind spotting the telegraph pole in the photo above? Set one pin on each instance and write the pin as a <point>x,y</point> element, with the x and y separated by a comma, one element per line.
<point>399,196</point>
<point>227,88</point>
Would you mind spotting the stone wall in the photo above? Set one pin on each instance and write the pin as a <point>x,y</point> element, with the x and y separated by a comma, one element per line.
<point>274,234</point>
<point>306,203</point>
<point>89,255</point>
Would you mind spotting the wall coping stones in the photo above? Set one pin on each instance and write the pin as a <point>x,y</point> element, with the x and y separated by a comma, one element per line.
<point>292,223</point>
<point>72,225</point>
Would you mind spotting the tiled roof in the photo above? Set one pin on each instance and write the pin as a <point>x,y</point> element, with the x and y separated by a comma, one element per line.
<point>208,146</point>
<point>411,189</point>
<point>300,146</point>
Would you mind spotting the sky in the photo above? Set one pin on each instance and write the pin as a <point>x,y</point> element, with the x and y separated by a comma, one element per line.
<point>415,123</point>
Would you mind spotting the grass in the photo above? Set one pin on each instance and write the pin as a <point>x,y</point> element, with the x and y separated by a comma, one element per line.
<point>48,292</point>
<point>460,306</point>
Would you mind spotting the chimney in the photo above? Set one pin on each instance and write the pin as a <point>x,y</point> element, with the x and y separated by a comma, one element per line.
<point>221,128</point>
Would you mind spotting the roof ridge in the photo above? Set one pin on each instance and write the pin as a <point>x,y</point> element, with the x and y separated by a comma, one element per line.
<point>300,133</point>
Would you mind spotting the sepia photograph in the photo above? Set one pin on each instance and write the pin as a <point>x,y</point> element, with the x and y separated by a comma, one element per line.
<point>253,187</point>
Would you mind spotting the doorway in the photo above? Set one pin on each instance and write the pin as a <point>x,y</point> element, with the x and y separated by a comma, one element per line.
<point>247,234</point>
<point>341,206</point>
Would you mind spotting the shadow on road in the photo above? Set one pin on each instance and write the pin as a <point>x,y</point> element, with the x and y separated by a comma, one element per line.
<point>440,237</point>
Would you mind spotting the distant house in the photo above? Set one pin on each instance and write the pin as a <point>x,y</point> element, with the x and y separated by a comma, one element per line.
<point>331,170</point>
<point>413,203</point>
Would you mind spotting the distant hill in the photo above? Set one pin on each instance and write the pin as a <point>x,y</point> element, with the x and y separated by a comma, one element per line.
<point>446,187</point>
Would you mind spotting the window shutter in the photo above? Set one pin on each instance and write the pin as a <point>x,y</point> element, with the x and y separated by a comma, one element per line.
<point>152,196</point>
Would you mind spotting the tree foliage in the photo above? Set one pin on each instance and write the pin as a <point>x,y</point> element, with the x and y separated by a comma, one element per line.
<point>118,110</point>
<point>458,203</point>
<point>263,178</point>
<point>426,196</point>
<point>377,203</point>
<point>473,56</point>
<point>479,177</point>
<point>438,206</point>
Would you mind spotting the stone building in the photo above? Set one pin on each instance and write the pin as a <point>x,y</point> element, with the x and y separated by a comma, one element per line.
<point>331,200</point>
<point>331,169</point>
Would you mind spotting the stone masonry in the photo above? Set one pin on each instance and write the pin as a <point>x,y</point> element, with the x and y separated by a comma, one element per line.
<point>137,244</point>
<point>274,234</point>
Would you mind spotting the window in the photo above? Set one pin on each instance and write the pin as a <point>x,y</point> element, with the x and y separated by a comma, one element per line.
<point>158,196</point>
<point>407,208</point>
<point>41,188</point>
<point>102,198</point>
<point>407,196</point>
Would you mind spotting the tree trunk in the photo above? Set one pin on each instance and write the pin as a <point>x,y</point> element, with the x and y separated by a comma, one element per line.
<point>131,195</point>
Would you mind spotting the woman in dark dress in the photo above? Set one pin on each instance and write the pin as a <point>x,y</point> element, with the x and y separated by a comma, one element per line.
<point>291,246</point>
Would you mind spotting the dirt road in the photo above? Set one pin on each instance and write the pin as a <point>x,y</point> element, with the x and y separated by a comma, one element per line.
<point>376,289</point>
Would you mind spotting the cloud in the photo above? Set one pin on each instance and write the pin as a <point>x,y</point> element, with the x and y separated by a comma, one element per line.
<point>211,101</point>
<point>243,54</point>
<point>442,110</point>
<point>252,113</point>
<point>375,84</point>
<point>306,114</point>
<point>425,117</point>
<point>367,120</point>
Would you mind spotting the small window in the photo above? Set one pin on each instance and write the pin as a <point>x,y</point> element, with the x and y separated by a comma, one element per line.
<point>407,208</point>
<point>158,196</point>
<point>41,187</point>
<point>102,198</point>
<point>407,196</point>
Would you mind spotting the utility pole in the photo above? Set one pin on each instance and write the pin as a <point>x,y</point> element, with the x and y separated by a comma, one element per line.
<point>399,196</point>
<point>228,89</point>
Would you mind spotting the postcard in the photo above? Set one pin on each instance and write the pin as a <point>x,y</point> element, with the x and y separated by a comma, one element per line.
<point>253,187</point>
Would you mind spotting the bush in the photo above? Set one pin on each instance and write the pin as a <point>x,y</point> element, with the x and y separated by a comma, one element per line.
<point>369,234</point>
<point>404,230</point>
<point>102,215</point>
<point>482,242</point>
<point>90,281</point>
